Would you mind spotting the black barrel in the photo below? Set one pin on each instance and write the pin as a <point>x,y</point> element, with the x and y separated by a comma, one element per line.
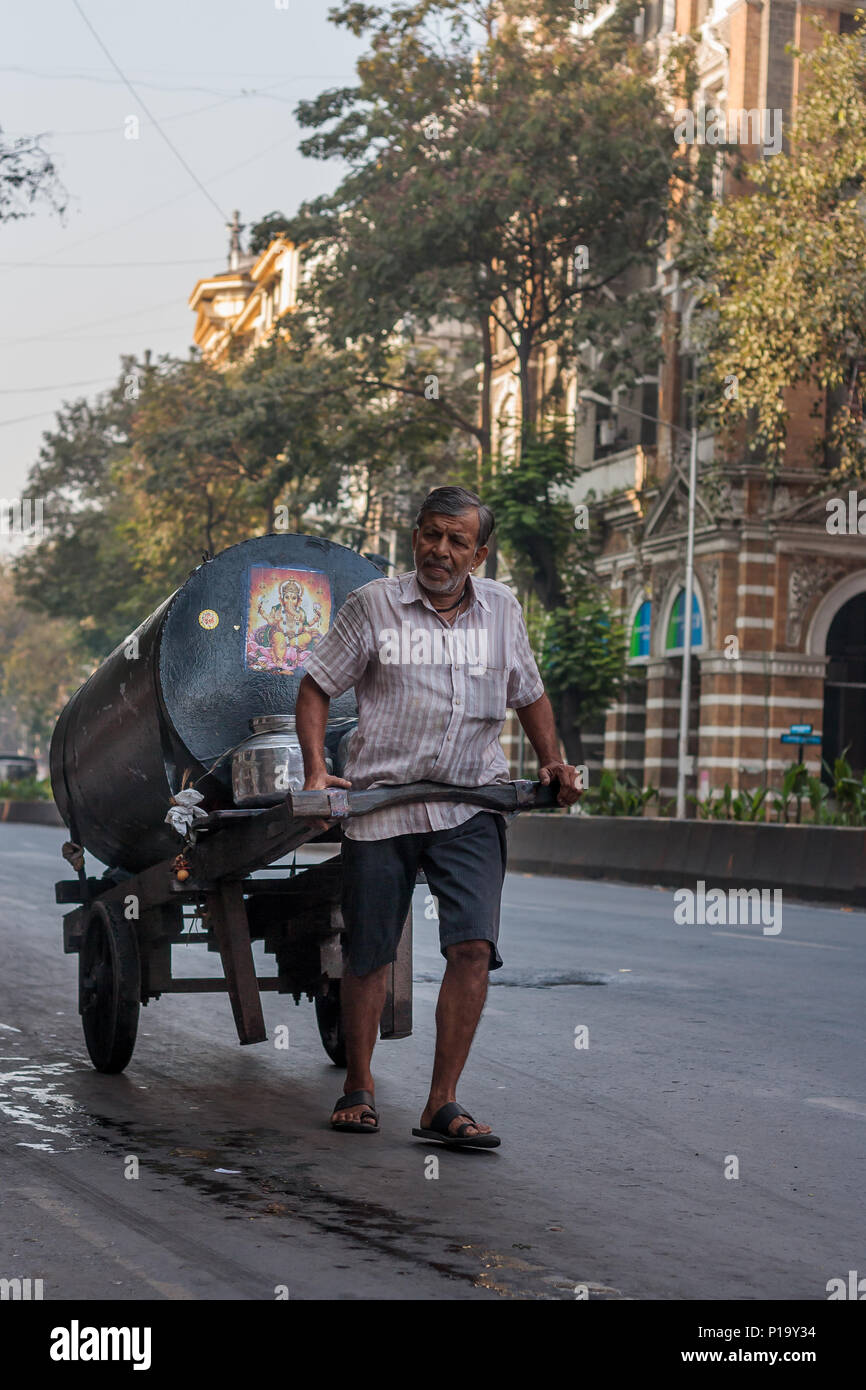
<point>179,693</point>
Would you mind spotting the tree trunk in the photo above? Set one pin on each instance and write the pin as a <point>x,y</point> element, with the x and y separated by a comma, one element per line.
<point>485,442</point>
<point>527,392</point>
<point>208,527</point>
<point>485,439</point>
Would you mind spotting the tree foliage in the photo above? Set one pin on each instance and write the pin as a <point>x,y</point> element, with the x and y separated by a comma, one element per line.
<point>784,303</point>
<point>487,143</point>
<point>40,667</point>
<point>181,457</point>
<point>28,175</point>
<point>580,646</point>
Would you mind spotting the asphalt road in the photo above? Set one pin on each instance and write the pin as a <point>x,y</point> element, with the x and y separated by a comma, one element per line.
<point>705,1045</point>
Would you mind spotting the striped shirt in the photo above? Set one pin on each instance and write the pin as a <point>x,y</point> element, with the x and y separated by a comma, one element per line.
<point>431,697</point>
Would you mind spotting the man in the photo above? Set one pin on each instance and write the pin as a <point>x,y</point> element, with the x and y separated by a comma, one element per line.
<point>435,658</point>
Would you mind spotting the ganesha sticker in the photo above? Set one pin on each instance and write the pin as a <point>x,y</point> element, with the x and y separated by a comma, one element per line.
<point>288,613</point>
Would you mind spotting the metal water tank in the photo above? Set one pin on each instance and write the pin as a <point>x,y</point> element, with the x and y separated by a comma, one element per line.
<point>177,696</point>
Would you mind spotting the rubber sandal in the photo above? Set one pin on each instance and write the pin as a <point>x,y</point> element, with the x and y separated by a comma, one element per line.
<point>364,1098</point>
<point>438,1130</point>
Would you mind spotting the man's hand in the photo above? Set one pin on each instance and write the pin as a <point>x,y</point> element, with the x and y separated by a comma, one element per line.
<point>540,728</point>
<point>570,782</point>
<point>319,781</point>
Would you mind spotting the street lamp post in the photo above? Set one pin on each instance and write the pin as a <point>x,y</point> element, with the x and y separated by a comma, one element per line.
<point>686,679</point>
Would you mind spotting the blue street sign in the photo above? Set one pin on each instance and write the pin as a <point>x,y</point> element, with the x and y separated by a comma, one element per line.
<point>801,729</point>
<point>800,738</point>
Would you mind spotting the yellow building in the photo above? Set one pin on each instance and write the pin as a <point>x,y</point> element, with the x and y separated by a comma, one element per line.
<point>236,310</point>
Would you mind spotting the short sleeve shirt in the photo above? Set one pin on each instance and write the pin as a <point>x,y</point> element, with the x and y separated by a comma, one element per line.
<point>432,697</point>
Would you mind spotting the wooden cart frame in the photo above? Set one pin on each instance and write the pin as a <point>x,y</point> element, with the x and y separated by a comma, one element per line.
<point>125,926</point>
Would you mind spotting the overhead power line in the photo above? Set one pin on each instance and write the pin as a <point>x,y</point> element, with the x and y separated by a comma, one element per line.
<point>227,100</point>
<point>169,202</point>
<point>175,151</point>
<point>93,323</point>
<point>96,75</point>
<point>92,265</point>
<point>61,386</point>
<point>20,419</point>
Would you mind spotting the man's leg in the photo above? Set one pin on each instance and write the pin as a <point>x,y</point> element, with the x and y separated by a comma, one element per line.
<point>378,882</point>
<point>465,869</point>
<point>461,1000</point>
<point>362,999</point>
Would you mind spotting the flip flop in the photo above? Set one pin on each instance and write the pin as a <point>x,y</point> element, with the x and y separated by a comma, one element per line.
<point>364,1098</point>
<point>438,1130</point>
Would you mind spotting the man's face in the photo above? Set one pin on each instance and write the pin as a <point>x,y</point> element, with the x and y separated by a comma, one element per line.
<point>446,549</point>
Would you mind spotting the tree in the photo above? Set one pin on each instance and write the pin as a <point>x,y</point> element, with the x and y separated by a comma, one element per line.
<point>82,569</point>
<point>27,175</point>
<point>181,457</point>
<point>488,144</point>
<point>40,667</point>
<point>580,647</point>
<point>582,655</point>
<point>263,232</point>
<point>297,425</point>
<point>785,296</point>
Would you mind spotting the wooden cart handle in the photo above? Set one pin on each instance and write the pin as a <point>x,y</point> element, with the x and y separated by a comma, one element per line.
<point>336,803</point>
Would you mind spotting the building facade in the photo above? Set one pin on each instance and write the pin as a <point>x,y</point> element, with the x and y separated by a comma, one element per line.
<point>779,611</point>
<point>238,308</point>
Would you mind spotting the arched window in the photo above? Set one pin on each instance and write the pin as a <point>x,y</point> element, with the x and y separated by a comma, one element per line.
<point>844,725</point>
<point>675,632</point>
<point>639,645</point>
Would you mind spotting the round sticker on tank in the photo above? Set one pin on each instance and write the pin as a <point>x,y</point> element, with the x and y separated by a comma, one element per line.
<point>208,619</point>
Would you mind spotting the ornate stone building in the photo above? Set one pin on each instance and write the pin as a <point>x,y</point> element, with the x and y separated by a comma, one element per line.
<point>239,307</point>
<point>779,612</point>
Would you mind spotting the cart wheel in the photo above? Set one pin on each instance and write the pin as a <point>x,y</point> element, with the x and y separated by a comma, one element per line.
<point>330,1020</point>
<point>109,988</point>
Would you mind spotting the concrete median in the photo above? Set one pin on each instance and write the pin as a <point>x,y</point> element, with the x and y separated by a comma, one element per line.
<point>813,863</point>
<point>30,812</point>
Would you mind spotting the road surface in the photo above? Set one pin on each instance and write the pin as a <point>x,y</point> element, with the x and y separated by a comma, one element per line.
<point>703,1052</point>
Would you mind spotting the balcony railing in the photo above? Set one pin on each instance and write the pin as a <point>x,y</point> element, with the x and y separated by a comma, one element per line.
<point>619,472</point>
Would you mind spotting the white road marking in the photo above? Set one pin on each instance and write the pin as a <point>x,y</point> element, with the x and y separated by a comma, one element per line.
<point>784,940</point>
<point>850,1107</point>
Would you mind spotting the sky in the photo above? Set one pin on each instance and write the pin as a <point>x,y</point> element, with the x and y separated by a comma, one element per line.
<point>221,78</point>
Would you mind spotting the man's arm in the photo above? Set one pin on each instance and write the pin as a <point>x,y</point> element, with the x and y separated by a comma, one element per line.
<point>311,722</point>
<point>540,728</point>
<point>337,663</point>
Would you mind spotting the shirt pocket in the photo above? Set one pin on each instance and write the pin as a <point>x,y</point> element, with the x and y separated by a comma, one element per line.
<point>486,694</point>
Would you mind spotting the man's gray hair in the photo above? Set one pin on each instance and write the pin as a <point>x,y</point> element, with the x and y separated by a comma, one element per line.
<point>452,501</point>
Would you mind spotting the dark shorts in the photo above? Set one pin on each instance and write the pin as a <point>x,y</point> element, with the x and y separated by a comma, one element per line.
<point>464,867</point>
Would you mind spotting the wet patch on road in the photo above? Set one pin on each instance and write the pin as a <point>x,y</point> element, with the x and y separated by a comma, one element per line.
<point>507,1275</point>
<point>260,1193</point>
<point>33,1095</point>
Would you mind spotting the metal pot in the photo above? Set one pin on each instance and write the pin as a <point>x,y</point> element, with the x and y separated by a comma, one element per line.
<point>270,763</point>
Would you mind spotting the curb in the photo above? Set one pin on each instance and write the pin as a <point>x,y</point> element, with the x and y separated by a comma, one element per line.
<point>814,863</point>
<point>30,813</point>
